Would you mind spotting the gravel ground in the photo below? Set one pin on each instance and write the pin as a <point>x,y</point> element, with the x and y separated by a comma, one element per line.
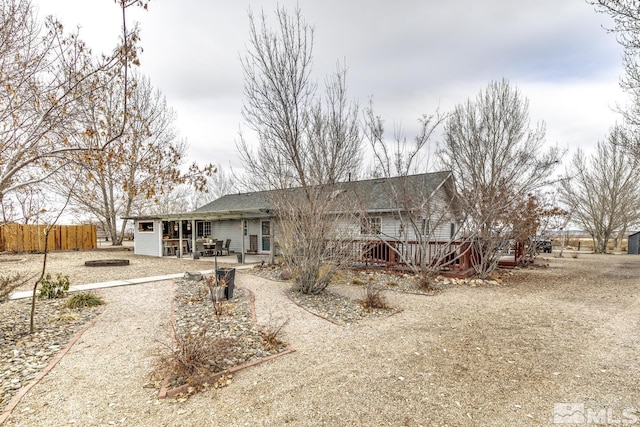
<point>489,354</point>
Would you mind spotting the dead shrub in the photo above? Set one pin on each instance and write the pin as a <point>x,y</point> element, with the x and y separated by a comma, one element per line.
<point>425,283</point>
<point>196,357</point>
<point>373,299</point>
<point>574,255</point>
<point>10,282</point>
<point>216,289</point>
<point>271,334</point>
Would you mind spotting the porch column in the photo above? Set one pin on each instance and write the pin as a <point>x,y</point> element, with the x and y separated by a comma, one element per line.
<point>193,238</point>
<point>243,224</point>
<point>180,254</point>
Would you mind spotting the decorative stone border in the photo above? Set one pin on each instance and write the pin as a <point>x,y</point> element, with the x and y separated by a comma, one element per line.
<point>335,322</point>
<point>24,390</point>
<point>165,392</point>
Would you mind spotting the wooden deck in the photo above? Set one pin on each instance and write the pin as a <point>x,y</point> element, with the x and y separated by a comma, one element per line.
<point>454,258</point>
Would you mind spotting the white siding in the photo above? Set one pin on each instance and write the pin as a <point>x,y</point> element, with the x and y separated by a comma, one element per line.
<point>148,242</point>
<point>228,229</point>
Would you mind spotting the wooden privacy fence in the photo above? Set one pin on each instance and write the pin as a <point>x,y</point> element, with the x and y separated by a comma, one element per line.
<point>30,238</point>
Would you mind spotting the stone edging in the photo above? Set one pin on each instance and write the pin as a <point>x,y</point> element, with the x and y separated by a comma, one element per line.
<point>335,322</point>
<point>328,319</point>
<point>24,390</point>
<point>169,393</point>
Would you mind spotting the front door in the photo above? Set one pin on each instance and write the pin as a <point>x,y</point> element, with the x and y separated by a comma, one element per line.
<point>266,236</point>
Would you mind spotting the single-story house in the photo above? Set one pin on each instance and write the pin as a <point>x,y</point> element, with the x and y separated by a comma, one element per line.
<point>249,221</point>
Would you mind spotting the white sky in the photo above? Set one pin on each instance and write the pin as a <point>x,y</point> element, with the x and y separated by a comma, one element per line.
<point>411,56</point>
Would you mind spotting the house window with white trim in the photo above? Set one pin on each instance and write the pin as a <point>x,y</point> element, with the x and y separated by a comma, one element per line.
<point>203,228</point>
<point>371,225</point>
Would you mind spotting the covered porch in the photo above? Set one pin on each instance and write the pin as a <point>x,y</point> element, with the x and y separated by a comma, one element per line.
<point>204,235</point>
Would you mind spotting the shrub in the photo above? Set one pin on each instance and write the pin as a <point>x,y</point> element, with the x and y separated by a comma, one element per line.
<point>84,300</point>
<point>50,288</point>
<point>425,283</point>
<point>10,282</point>
<point>196,357</point>
<point>66,317</point>
<point>357,282</point>
<point>270,334</point>
<point>373,299</point>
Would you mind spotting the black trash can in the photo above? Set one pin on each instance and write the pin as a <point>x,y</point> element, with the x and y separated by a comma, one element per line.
<point>227,275</point>
<point>240,258</point>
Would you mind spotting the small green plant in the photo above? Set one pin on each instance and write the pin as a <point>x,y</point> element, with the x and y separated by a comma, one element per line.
<point>50,288</point>
<point>84,300</point>
<point>373,299</point>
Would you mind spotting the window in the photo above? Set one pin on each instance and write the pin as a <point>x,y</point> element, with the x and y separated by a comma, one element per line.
<point>203,228</point>
<point>371,225</point>
<point>452,230</point>
<point>145,226</point>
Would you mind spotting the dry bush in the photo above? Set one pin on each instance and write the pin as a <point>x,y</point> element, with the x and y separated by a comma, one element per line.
<point>10,282</point>
<point>425,283</point>
<point>196,357</point>
<point>271,334</point>
<point>373,299</point>
<point>216,289</point>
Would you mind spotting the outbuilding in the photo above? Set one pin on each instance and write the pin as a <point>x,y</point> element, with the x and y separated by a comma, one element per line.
<point>633,243</point>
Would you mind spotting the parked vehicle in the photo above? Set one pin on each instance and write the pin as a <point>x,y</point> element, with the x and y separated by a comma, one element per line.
<point>542,244</point>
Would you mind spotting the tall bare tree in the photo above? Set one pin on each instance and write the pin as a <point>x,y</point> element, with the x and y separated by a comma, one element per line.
<point>602,191</point>
<point>142,164</point>
<point>305,141</point>
<point>497,160</point>
<point>45,75</point>
<point>424,211</point>
<point>626,18</point>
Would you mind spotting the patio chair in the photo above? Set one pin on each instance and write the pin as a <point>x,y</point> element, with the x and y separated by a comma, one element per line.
<point>226,246</point>
<point>200,248</point>
<point>219,247</point>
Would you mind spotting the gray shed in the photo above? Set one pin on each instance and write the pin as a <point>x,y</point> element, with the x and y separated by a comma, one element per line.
<point>633,244</point>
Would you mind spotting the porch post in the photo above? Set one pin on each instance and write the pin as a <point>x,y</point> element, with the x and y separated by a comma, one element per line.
<point>180,239</point>
<point>243,225</point>
<point>193,239</point>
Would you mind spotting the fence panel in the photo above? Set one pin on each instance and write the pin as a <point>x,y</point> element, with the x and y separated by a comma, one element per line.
<point>30,238</point>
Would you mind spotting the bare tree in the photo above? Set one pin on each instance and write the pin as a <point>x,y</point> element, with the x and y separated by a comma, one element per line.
<point>305,141</point>
<point>219,184</point>
<point>497,160</point>
<point>45,75</point>
<point>626,18</point>
<point>602,192</point>
<point>423,210</point>
<point>142,164</point>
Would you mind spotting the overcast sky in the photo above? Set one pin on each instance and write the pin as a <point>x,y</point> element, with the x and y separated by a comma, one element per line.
<point>411,56</point>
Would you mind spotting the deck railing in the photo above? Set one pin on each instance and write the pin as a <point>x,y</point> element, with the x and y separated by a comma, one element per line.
<point>451,255</point>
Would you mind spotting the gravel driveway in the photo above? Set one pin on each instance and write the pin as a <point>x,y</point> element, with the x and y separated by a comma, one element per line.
<point>488,355</point>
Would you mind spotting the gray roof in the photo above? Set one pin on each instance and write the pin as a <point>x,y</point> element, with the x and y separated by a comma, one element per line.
<point>373,194</point>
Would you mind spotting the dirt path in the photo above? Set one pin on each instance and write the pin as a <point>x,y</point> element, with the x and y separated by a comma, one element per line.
<point>491,356</point>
